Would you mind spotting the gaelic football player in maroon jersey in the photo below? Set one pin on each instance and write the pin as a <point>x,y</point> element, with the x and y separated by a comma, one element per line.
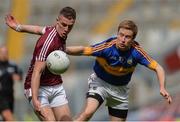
<point>43,89</point>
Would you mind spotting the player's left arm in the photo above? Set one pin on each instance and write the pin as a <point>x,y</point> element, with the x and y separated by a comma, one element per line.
<point>13,23</point>
<point>161,77</point>
<point>143,58</point>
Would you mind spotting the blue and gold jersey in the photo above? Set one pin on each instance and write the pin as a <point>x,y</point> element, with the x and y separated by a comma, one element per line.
<point>115,66</point>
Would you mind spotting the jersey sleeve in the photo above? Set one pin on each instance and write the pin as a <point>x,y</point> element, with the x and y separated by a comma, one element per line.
<point>43,30</point>
<point>144,59</point>
<point>99,48</point>
<point>94,50</point>
<point>42,48</point>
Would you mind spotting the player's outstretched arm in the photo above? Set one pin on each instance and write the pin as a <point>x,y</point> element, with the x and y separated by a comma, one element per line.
<point>75,50</point>
<point>161,77</point>
<point>15,25</point>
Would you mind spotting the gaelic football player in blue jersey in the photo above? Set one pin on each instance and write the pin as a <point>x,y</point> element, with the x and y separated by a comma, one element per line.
<point>116,59</point>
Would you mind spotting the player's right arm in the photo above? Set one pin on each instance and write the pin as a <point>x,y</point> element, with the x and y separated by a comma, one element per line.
<point>74,50</point>
<point>15,25</point>
<point>38,69</point>
<point>82,50</point>
<point>93,50</point>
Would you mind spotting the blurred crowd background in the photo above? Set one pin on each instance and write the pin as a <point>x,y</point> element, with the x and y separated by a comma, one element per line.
<point>159,34</point>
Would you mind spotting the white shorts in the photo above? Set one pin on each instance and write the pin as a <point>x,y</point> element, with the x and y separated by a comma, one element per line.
<point>52,96</point>
<point>116,96</point>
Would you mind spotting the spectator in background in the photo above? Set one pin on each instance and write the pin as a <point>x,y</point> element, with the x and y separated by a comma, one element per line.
<point>43,89</point>
<point>9,73</point>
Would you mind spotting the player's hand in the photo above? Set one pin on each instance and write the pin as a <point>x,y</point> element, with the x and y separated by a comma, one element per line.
<point>166,95</point>
<point>11,21</point>
<point>37,105</point>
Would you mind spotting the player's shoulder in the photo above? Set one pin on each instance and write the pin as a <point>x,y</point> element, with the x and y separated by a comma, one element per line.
<point>135,44</point>
<point>48,29</point>
<point>105,42</point>
<point>49,33</point>
<point>109,41</point>
<point>111,38</point>
<point>135,48</point>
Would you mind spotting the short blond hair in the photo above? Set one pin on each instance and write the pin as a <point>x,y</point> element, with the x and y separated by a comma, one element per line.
<point>130,25</point>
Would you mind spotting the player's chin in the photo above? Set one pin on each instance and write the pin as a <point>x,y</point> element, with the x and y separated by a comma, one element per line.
<point>63,35</point>
<point>122,48</point>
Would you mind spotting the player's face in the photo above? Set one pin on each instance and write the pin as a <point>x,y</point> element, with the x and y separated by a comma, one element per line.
<point>124,39</point>
<point>64,26</point>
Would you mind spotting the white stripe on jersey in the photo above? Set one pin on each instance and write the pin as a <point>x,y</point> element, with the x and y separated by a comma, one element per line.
<point>47,42</point>
<point>44,45</point>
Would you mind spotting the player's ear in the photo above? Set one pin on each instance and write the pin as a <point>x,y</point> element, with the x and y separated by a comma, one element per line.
<point>57,19</point>
<point>132,41</point>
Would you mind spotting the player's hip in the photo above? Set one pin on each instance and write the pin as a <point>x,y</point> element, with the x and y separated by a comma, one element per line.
<point>106,89</point>
<point>52,96</point>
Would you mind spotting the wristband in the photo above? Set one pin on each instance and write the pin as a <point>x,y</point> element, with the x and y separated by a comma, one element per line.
<point>18,28</point>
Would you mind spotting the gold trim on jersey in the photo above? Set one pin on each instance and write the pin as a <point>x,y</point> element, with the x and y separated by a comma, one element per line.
<point>90,50</point>
<point>139,49</point>
<point>118,71</point>
<point>153,65</point>
<point>87,51</point>
<point>152,62</point>
<point>104,46</point>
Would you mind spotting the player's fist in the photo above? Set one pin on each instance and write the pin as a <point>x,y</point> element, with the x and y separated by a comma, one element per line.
<point>11,22</point>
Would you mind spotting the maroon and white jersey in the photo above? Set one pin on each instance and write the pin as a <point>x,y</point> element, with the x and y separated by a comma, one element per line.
<point>47,43</point>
